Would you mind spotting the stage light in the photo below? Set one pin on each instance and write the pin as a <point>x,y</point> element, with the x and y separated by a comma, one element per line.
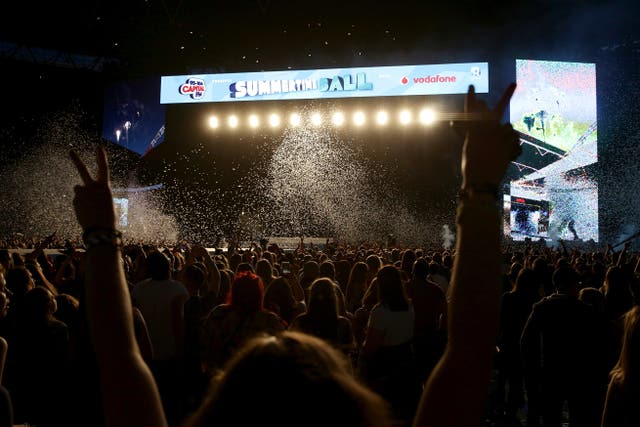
<point>316,119</point>
<point>213,122</point>
<point>233,121</point>
<point>118,132</point>
<point>358,118</point>
<point>427,116</point>
<point>254,122</point>
<point>274,120</point>
<point>382,118</point>
<point>405,117</point>
<point>294,119</point>
<point>337,118</point>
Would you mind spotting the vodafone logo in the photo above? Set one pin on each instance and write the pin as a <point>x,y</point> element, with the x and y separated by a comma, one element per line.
<point>404,80</point>
<point>434,79</point>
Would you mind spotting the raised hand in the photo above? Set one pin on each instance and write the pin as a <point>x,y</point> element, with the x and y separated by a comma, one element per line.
<point>199,251</point>
<point>489,146</point>
<point>93,202</point>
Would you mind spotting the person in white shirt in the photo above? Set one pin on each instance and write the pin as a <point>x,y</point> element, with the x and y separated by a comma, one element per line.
<point>388,363</point>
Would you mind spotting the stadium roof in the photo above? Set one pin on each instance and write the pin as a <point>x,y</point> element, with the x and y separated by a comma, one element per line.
<point>180,36</point>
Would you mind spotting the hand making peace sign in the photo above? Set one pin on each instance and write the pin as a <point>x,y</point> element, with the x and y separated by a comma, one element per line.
<point>93,202</point>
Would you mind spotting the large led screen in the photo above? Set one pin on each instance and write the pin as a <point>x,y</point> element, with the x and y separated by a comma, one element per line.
<point>401,80</point>
<point>554,194</point>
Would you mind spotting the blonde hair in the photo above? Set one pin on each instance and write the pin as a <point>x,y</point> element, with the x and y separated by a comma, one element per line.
<point>627,370</point>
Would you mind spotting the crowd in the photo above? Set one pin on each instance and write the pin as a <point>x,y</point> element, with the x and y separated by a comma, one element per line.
<point>144,335</point>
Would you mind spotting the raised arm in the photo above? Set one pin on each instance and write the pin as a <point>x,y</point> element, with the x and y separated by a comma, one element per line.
<point>456,391</point>
<point>129,393</point>
<point>623,253</point>
<point>40,247</point>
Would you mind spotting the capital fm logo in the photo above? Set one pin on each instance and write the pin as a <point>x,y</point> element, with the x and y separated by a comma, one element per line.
<point>475,72</point>
<point>194,87</point>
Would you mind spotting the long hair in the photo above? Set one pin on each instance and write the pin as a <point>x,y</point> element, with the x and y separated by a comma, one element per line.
<point>627,370</point>
<point>265,271</point>
<point>279,298</point>
<point>356,285</point>
<point>373,263</point>
<point>323,301</point>
<point>527,283</point>
<point>289,380</point>
<point>358,274</point>
<point>323,308</point>
<point>391,290</point>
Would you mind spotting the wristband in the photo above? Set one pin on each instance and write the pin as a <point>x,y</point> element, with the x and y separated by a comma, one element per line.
<point>477,190</point>
<point>96,236</point>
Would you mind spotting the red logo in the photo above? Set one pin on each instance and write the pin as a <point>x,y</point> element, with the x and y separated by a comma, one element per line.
<point>194,87</point>
<point>434,79</point>
<point>404,80</point>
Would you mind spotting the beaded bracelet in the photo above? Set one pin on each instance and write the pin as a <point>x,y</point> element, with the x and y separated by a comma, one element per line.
<point>96,236</point>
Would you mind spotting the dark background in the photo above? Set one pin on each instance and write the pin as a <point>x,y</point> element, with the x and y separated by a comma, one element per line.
<point>61,57</point>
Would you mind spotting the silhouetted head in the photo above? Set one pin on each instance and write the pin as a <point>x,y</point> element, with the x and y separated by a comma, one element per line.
<point>566,280</point>
<point>19,281</point>
<point>278,297</point>
<point>420,268</point>
<point>311,269</point>
<point>374,264</point>
<point>244,267</point>
<point>390,289</point>
<point>193,278</point>
<point>616,284</point>
<point>323,299</point>
<point>343,269</point>
<point>327,269</point>
<point>246,292</point>
<point>265,271</point>
<point>37,306</point>
<point>158,266</point>
<point>527,282</point>
<point>592,297</point>
<point>289,380</point>
<point>408,258</point>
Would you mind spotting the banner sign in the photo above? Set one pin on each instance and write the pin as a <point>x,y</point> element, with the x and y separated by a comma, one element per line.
<point>403,80</point>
